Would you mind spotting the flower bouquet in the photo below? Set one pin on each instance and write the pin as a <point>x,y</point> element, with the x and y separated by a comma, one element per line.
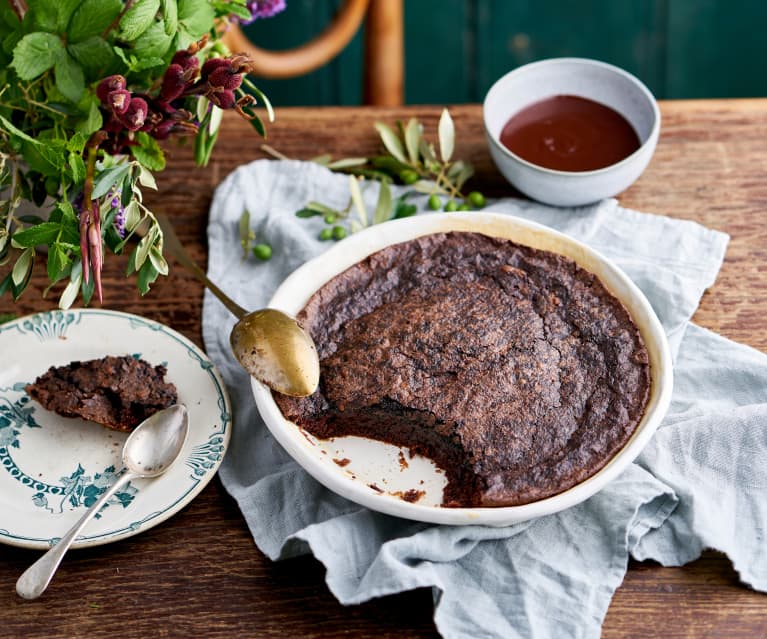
<point>88,89</point>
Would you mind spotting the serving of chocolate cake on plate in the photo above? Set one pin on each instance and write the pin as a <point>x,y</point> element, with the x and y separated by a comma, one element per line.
<point>118,392</point>
<point>514,369</point>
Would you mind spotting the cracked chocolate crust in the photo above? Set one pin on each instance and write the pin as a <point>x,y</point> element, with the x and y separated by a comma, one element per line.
<point>514,369</point>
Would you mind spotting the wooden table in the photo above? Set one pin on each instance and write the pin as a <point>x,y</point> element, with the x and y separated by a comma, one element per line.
<point>200,575</point>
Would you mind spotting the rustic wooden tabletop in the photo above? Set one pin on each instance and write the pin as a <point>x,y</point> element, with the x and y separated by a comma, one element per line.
<point>199,574</point>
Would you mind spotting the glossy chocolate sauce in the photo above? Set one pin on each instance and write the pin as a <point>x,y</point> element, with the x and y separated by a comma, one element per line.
<point>569,133</point>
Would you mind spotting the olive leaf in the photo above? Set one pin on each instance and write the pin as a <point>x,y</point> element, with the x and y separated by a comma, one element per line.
<point>359,203</point>
<point>22,267</point>
<point>446,132</point>
<point>413,139</point>
<point>69,294</point>
<point>391,141</point>
<point>383,210</point>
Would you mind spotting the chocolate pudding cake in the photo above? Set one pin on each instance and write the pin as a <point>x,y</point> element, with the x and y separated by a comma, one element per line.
<point>117,392</point>
<point>512,368</point>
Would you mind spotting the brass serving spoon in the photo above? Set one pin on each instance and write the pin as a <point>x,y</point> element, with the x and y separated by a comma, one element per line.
<point>269,344</point>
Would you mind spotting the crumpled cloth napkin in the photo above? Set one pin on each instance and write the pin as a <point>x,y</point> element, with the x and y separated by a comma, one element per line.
<point>700,481</point>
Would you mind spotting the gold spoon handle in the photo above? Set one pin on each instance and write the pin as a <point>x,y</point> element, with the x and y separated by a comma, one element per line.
<point>179,252</point>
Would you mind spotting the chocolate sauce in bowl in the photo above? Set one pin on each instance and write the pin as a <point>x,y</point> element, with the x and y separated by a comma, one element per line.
<point>570,133</point>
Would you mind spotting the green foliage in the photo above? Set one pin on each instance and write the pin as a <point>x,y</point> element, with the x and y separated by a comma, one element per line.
<point>53,55</point>
<point>411,160</point>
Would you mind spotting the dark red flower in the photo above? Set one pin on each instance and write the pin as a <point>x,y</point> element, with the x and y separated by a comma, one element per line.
<point>109,84</point>
<point>224,99</point>
<point>226,78</point>
<point>173,83</point>
<point>186,60</point>
<point>135,115</point>
<point>118,101</point>
<point>211,65</point>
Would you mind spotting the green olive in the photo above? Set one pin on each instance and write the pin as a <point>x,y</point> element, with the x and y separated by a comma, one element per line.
<point>435,204</point>
<point>408,176</point>
<point>262,251</point>
<point>464,207</point>
<point>477,199</point>
<point>451,206</point>
<point>329,218</point>
<point>339,232</point>
<point>326,234</point>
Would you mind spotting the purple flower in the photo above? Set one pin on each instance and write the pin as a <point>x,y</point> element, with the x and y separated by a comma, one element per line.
<point>263,9</point>
<point>119,222</point>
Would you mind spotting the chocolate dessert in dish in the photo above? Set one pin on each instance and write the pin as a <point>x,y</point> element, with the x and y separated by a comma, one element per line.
<point>117,392</point>
<point>512,368</point>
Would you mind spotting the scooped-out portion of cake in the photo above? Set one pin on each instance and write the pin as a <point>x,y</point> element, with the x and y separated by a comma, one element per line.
<point>513,369</point>
<point>118,392</point>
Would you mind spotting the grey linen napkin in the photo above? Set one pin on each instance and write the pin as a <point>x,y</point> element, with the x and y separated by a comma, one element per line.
<point>701,479</point>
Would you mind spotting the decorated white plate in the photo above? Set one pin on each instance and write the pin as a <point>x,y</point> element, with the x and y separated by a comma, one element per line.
<point>52,468</point>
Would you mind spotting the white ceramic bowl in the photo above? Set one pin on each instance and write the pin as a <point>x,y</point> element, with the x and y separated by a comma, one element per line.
<point>378,464</point>
<point>580,77</point>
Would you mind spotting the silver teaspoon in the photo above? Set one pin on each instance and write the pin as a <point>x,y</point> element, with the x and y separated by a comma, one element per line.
<point>148,452</point>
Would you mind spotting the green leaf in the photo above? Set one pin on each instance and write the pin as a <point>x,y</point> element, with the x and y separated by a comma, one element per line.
<point>69,78</point>
<point>306,213</point>
<point>261,96</point>
<point>216,115</point>
<point>148,152</point>
<point>158,261</point>
<point>22,267</point>
<point>426,150</point>
<point>320,208</point>
<point>153,43</point>
<point>42,15</point>
<point>202,107</point>
<point>196,16</point>
<point>92,18</point>
<point>446,132</point>
<point>132,216</point>
<point>77,143</point>
<point>346,163</point>
<point>428,187</point>
<point>58,262</point>
<point>142,250</point>
<point>413,139</point>
<point>77,164</point>
<point>359,203</point>
<point>146,178</point>
<point>66,9</point>
<point>94,55</point>
<point>5,284</point>
<point>391,141</point>
<point>146,275</point>
<point>69,294</point>
<point>87,289</point>
<point>44,233</point>
<point>16,132</point>
<point>246,233</point>
<point>138,19</point>
<point>108,178</point>
<point>47,159</point>
<point>234,9</point>
<point>93,120</point>
<point>35,54</point>
<point>383,205</point>
<point>170,13</point>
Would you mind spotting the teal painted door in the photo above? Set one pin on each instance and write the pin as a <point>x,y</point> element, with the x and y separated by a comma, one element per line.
<point>456,49</point>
